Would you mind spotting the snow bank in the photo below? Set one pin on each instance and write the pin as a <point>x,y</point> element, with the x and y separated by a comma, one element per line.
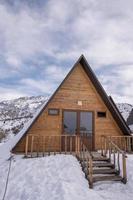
<point>51,178</point>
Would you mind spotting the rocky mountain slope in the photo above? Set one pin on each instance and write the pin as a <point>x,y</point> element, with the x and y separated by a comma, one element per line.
<point>125,109</point>
<point>14,113</point>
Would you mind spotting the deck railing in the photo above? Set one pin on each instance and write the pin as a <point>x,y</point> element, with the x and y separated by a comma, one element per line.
<point>36,144</point>
<point>115,155</point>
<point>125,143</point>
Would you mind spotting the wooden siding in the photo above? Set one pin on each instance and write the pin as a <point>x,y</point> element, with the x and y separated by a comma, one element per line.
<point>77,87</point>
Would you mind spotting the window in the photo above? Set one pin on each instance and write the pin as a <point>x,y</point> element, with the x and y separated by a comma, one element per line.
<point>53,111</point>
<point>101,114</point>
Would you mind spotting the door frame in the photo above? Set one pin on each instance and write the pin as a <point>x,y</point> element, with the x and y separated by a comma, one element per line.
<point>78,123</point>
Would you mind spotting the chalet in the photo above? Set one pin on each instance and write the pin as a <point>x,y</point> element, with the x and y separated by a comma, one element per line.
<point>79,106</point>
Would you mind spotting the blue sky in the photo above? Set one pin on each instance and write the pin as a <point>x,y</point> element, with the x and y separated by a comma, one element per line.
<point>41,40</point>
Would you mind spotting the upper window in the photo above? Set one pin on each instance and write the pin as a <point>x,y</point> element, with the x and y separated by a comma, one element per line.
<point>101,114</point>
<point>53,111</point>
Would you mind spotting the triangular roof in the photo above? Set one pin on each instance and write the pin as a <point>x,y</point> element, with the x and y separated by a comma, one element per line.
<point>106,99</point>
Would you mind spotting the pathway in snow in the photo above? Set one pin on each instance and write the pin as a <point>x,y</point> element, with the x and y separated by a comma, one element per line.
<point>58,178</point>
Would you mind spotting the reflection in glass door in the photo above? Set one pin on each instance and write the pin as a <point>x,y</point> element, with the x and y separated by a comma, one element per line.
<point>86,123</point>
<point>70,122</point>
<point>86,128</point>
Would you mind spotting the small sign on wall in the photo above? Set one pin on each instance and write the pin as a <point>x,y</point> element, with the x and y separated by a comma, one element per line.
<point>79,103</point>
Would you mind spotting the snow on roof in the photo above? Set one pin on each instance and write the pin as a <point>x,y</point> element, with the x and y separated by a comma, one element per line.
<point>6,148</point>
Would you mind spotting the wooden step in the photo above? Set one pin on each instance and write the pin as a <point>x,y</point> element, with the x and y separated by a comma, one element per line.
<point>105,171</point>
<point>101,159</point>
<point>99,165</point>
<point>103,164</point>
<point>107,178</point>
<point>102,171</point>
<point>97,159</point>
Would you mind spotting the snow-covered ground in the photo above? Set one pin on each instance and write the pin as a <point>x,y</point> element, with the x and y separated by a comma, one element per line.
<point>51,178</point>
<point>58,178</point>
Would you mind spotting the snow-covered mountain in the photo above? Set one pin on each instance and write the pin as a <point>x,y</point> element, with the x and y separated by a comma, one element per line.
<point>125,109</point>
<point>15,113</point>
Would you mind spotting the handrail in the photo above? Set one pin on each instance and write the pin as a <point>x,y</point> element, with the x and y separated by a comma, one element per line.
<point>88,157</point>
<point>109,148</point>
<point>121,151</point>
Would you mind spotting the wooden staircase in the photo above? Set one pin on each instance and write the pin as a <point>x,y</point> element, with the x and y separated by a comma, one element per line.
<point>103,166</point>
<point>103,169</point>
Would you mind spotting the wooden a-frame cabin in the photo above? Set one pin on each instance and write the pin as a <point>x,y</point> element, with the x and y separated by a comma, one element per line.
<point>79,106</point>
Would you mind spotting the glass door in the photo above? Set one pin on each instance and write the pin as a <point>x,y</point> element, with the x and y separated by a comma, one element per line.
<point>86,123</point>
<point>86,128</point>
<point>81,123</point>
<point>69,128</point>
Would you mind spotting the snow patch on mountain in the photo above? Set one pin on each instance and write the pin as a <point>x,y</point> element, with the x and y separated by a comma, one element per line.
<point>124,109</point>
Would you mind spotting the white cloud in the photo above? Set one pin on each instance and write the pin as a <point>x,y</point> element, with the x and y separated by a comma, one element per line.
<point>40,86</point>
<point>55,73</point>
<point>63,31</point>
<point>10,93</point>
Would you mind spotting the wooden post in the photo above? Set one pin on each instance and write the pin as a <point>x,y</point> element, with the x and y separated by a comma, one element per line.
<point>37,146</point>
<point>70,144</point>
<point>61,139</point>
<point>43,145</point>
<point>76,145</point>
<point>101,145</point>
<point>118,162</point>
<point>109,151</point>
<point>32,142</point>
<point>114,157</point>
<point>129,144</point>
<point>90,172</point>
<point>105,146</point>
<point>65,144</point>
<point>124,168</point>
<point>26,146</point>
